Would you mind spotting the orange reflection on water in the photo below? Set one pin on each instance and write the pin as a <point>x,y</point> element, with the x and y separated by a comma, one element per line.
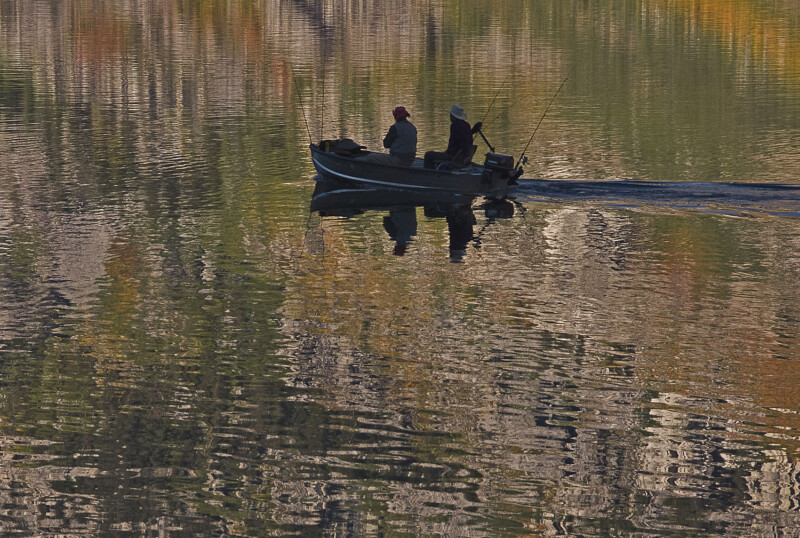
<point>755,33</point>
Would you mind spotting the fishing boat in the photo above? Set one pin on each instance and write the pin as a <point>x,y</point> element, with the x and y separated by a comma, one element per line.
<point>345,160</point>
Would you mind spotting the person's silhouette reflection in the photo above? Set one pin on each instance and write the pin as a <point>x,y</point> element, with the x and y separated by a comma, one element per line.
<point>401,225</point>
<point>459,223</point>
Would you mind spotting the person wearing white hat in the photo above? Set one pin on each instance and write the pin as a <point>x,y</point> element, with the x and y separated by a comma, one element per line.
<point>459,149</point>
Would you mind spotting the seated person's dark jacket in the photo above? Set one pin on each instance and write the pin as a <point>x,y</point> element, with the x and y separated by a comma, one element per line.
<point>459,148</point>
<point>460,139</point>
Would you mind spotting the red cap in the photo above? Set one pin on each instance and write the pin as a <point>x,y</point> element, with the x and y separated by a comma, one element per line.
<point>400,113</point>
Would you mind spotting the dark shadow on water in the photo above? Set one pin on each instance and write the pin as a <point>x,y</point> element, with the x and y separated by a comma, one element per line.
<point>334,199</point>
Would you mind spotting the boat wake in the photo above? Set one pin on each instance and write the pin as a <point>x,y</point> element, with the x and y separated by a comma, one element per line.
<point>727,198</point>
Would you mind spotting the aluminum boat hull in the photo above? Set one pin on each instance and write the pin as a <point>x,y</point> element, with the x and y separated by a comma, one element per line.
<point>356,169</point>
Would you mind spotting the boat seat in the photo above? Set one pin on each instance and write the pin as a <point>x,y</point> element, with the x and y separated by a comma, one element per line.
<point>460,161</point>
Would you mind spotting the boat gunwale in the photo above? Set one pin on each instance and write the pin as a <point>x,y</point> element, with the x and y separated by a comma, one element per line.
<point>473,169</point>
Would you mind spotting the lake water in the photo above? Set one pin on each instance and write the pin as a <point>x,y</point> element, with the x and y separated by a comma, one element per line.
<point>187,347</point>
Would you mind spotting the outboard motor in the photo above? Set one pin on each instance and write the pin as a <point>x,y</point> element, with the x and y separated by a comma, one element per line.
<point>499,163</point>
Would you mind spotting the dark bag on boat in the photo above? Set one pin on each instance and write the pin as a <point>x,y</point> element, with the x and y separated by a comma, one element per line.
<point>346,147</point>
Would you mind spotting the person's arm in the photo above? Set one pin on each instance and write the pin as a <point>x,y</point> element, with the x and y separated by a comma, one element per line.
<point>390,136</point>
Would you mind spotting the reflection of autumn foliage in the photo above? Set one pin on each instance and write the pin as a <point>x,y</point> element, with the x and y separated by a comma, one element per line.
<point>105,32</point>
<point>725,322</point>
<point>100,39</point>
<point>754,33</point>
<point>574,338</point>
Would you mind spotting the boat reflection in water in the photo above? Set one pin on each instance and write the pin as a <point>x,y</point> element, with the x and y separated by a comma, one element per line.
<point>336,199</point>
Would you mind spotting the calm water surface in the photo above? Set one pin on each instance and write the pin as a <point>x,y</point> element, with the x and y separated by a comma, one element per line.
<point>188,347</point>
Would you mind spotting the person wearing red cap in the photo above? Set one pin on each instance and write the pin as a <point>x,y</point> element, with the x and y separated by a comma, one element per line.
<point>401,140</point>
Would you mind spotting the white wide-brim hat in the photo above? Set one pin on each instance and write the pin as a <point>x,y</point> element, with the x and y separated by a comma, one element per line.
<point>458,112</point>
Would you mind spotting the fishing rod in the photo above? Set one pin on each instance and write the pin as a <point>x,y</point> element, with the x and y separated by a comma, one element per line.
<point>322,112</point>
<point>495,98</point>
<point>478,127</point>
<point>300,98</point>
<point>504,109</point>
<point>542,118</point>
